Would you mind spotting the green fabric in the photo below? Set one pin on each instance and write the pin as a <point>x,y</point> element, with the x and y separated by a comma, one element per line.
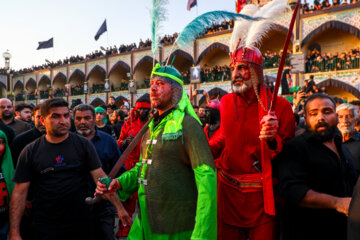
<point>167,71</point>
<point>102,111</point>
<point>173,121</point>
<point>205,221</point>
<point>7,166</point>
<point>206,211</point>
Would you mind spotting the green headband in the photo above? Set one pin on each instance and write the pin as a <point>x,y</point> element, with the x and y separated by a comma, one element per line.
<point>164,74</point>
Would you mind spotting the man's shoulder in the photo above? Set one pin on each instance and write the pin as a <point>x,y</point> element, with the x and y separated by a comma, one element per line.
<point>32,146</point>
<point>104,136</point>
<point>226,98</point>
<point>20,122</point>
<point>299,141</point>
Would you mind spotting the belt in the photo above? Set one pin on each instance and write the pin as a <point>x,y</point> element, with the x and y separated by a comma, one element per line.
<point>243,182</point>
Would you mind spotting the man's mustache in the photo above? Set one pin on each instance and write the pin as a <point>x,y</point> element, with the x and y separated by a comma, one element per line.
<point>322,124</point>
<point>83,126</point>
<point>237,79</point>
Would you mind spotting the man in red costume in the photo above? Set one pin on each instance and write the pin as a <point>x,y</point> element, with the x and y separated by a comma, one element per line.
<point>139,116</point>
<point>250,137</point>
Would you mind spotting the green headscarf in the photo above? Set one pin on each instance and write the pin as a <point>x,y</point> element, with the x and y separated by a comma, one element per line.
<point>102,111</point>
<point>173,126</point>
<point>7,166</point>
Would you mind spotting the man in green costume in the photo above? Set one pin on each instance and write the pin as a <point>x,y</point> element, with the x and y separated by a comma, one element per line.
<point>175,176</point>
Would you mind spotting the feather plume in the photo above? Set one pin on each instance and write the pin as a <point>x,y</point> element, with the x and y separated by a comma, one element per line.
<point>259,29</point>
<point>197,26</point>
<point>241,26</point>
<point>158,15</point>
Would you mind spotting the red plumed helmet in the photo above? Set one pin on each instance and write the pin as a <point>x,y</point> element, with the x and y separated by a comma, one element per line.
<point>248,55</point>
<point>215,104</point>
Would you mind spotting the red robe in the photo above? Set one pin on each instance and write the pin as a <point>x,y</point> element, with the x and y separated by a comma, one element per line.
<point>133,129</point>
<point>239,146</point>
<point>215,135</point>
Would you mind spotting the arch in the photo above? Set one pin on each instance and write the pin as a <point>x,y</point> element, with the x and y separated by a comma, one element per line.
<point>97,102</point>
<point>213,46</point>
<point>61,75</point>
<point>77,71</point>
<point>213,93</point>
<point>2,85</point>
<point>17,83</point>
<point>183,54</point>
<point>44,78</point>
<point>96,68</point>
<point>29,81</point>
<point>119,100</point>
<point>121,64</point>
<point>339,84</point>
<point>331,24</point>
<point>144,59</point>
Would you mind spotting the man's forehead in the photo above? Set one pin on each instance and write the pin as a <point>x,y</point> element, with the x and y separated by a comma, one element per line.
<point>320,103</point>
<point>158,78</point>
<point>345,111</point>
<point>83,113</point>
<point>59,110</point>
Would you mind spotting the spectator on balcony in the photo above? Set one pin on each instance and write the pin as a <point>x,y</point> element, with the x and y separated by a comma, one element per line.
<point>7,116</point>
<point>336,3</point>
<point>345,2</point>
<point>24,112</point>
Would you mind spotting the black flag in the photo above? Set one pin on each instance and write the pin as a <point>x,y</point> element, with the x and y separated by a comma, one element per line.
<point>46,44</point>
<point>101,30</point>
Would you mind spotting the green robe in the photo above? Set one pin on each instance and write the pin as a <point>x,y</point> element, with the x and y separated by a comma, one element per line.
<point>201,163</point>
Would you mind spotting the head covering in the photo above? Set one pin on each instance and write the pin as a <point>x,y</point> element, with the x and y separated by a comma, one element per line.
<point>173,126</point>
<point>102,111</point>
<point>7,166</point>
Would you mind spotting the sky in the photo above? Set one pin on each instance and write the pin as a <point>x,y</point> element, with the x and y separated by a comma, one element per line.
<point>74,23</point>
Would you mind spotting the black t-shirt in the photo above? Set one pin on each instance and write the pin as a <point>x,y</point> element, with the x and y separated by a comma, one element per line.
<point>303,164</point>
<point>59,176</point>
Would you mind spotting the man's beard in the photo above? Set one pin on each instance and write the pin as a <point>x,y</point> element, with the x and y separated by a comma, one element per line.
<point>324,135</point>
<point>85,132</point>
<point>243,88</point>
<point>6,115</point>
<point>346,128</point>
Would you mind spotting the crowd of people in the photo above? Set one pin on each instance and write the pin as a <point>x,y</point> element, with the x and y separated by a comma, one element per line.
<point>272,59</point>
<point>113,50</point>
<point>325,4</point>
<point>322,62</point>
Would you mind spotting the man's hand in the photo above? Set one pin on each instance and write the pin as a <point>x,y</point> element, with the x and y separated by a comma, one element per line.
<point>101,188</point>
<point>269,128</point>
<point>342,205</point>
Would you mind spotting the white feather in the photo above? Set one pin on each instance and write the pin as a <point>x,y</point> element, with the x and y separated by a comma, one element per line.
<point>241,26</point>
<point>259,29</point>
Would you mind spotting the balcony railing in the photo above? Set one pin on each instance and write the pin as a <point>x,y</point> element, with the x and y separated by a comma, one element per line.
<point>312,66</point>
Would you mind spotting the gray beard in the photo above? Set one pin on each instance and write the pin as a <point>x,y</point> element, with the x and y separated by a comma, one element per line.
<point>240,89</point>
<point>84,133</point>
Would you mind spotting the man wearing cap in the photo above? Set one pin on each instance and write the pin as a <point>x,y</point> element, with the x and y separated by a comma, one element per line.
<point>175,177</point>
<point>249,139</point>
<point>101,121</point>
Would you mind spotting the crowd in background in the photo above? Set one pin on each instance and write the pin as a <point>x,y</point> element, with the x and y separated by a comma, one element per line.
<point>320,62</point>
<point>113,50</point>
<point>325,4</point>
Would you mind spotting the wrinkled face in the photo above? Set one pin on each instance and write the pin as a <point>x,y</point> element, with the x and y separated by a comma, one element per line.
<point>321,118</point>
<point>6,109</point>
<point>57,123</point>
<point>84,122</point>
<point>38,123</point>
<point>347,121</point>
<point>160,93</point>
<point>25,114</point>
<point>241,77</point>
<point>2,146</point>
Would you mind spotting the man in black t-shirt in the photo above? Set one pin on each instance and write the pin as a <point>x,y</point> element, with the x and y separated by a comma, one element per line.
<point>57,166</point>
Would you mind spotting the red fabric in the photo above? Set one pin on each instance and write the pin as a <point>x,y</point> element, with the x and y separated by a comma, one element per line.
<point>133,129</point>
<point>239,136</point>
<point>142,105</point>
<point>240,5</point>
<point>213,136</point>
<point>247,55</point>
<point>266,231</point>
